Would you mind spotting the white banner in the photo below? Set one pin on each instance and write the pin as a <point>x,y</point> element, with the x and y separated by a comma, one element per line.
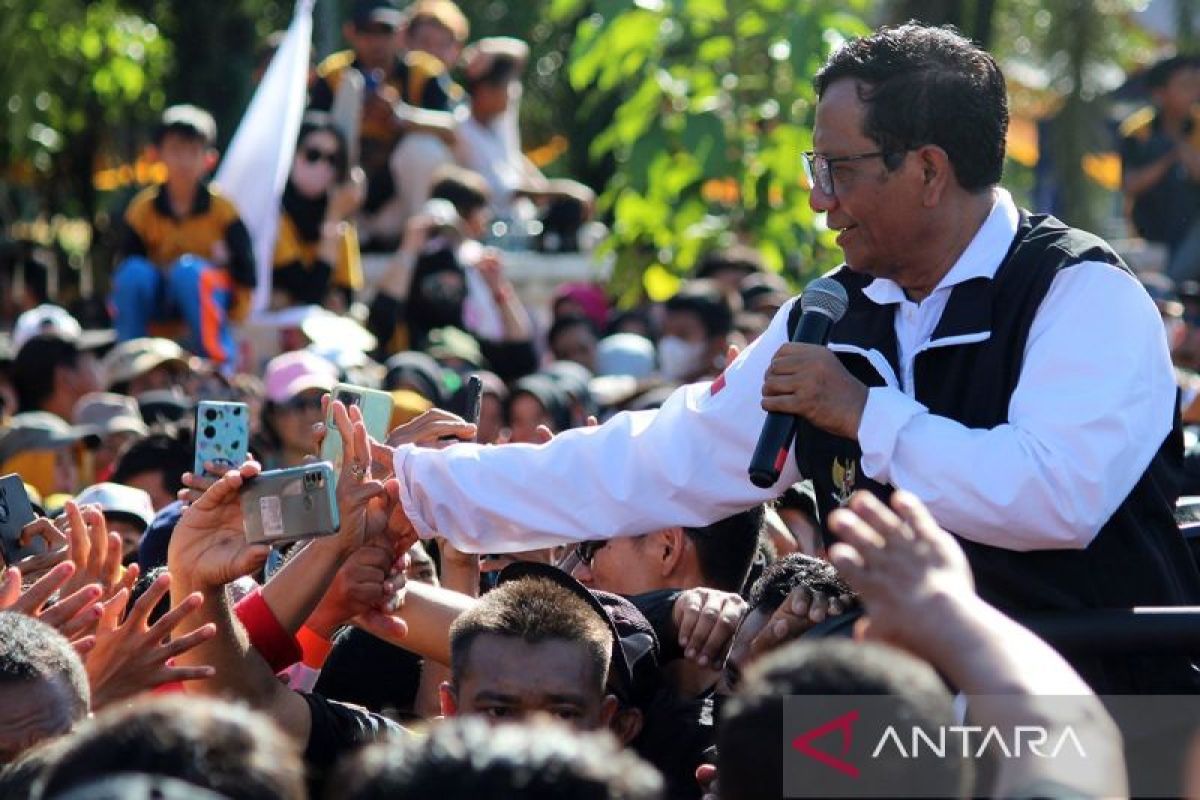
<point>255,169</point>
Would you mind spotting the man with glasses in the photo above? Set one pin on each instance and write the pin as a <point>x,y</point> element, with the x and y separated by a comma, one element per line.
<point>1003,367</point>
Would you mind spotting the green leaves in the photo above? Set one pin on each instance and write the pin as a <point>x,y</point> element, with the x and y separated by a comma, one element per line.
<point>716,110</point>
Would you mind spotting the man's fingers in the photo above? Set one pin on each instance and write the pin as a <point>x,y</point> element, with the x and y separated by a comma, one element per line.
<point>542,434</point>
<point>181,644</point>
<point>84,646</point>
<point>851,529</point>
<point>713,651</point>
<point>879,517</point>
<point>687,614</point>
<point>77,535</point>
<point>144,607</point>
<point>171,674</point>
<point>44,529</point>
<point>82,624</point>
<point>167,622</point>
<point>36,596</point>
<point>920,522</point>
<point>110,617</point>
<point>10,589</point>
<point>849,562</point>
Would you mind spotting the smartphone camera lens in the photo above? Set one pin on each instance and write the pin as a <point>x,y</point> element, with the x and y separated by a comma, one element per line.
<point>210,432</point>
<point>211,415</point>
<point>237,411</point>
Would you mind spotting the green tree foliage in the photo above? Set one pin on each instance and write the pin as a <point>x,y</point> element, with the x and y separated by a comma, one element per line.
<point>72,77</point>
<point>716,109</point>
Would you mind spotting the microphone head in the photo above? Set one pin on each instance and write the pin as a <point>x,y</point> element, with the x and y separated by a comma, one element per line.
<point>825,296</point>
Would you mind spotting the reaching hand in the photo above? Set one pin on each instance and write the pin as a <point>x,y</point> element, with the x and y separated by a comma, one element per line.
<point>368,580</point>
<point>906,569</point>
<point>74,615</point>
<point>705,621</point>
<point>356,488</point>
<point>96,552</point>
<point>133,656</point>
<point>56,552</point>
<point>429,429</point>
<point>208,548</point>
<point>800,611</point>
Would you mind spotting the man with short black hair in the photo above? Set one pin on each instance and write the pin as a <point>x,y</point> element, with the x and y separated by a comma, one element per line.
<point>53,374</point>
<point>466,759</point>
<point>717,556</point>
<point>695,336</point>
<point>43,686</point>
<point>749,760</point>
<point>156,465</point>
<point>530,646</point>
<point>208,743</point>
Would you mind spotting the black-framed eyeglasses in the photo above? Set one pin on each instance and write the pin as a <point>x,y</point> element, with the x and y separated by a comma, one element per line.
<point>819,169</point>
<point>586,551</point>
<point>302,403</point>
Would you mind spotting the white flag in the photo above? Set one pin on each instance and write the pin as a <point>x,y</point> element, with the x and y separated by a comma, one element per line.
<point>255,169</point>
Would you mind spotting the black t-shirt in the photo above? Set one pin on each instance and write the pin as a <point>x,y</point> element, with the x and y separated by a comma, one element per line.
<point>339,728</point>
<point>1163,212</point>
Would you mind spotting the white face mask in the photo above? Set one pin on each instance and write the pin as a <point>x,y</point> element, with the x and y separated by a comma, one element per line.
<point>679,359</point>
<point>312,180</point>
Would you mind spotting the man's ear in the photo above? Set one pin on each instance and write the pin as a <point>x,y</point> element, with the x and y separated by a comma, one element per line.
<point>211,157</point>
<point>672,542</point>
<point>608,710</point>
<point>627,724</point>
<point>448,699</point>
<point>937,173</point>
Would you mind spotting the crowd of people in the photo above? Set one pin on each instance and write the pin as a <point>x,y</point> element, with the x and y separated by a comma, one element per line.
<point>573,589</point>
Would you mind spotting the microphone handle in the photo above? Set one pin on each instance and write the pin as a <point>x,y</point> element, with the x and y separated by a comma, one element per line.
<point>775,442</point>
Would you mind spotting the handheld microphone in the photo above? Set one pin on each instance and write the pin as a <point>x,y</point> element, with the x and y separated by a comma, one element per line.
<point>823,303</point>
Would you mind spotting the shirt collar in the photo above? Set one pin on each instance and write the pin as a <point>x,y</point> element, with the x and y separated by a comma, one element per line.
<point>199,206</point>
<point>981,259</point>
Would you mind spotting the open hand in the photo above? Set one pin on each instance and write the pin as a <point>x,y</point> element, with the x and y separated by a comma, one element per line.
<point>133,656</point>
<point>96,552</point>
<point>906,568</point>
<point>74,615</point>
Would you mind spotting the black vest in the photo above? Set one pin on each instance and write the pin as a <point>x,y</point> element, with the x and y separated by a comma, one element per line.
<point>1138,557</point>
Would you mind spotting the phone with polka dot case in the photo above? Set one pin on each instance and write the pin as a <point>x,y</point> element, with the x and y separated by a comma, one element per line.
<point>222,436</point>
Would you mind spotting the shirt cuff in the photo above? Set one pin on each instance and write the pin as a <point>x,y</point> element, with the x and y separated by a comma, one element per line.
<point>887,411</point>
<point>406,497</point>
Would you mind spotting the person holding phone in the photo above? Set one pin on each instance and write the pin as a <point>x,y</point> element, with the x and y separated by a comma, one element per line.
<point>295,383</point>
<point>316,251</point>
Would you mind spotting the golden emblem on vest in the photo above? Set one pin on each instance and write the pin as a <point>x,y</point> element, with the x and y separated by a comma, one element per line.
<point>844,475</point>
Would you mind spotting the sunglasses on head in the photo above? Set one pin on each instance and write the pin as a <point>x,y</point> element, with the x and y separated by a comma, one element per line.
<point>586,551</point>
<point>302,403</point>
<point>314,154</point>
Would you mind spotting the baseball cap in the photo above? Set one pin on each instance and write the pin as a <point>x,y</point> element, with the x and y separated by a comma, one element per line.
<point>625,354</point>
<point>289,374</point>
<point>382,12</point>
<point>39,430</point>
<point>452,344</point>
<point>136,357</point>
<point>117,500</point>
<point>52,320</point>
<point>109,413</point>
<point>634,668</point>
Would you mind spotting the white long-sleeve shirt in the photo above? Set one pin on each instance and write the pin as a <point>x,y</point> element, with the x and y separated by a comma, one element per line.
<point>1091,408</point>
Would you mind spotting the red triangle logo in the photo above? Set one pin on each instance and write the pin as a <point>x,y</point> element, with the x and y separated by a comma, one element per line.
<point>844,724</point>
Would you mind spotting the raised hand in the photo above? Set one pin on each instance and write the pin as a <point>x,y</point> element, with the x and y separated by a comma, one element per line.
<point>430,427</point>
<point>367,581</point>
<point>134,656</point>
<point>95,551</point>
<point>74,615</point>
<point>56,548</point>
<point>356,488</point>
<point>208,548</point>
<point>705,622</point>
<point>906,568</point>
<point>800,611</point>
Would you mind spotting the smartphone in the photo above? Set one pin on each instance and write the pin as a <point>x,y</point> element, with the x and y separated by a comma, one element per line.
<point>222,436</point>
<point>15,513</point>
<point>376,407</point>
<point>286,505</point>
<point>472,401</point>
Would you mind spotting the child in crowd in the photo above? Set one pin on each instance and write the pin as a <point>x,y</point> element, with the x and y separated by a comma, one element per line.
<point>186,253</point>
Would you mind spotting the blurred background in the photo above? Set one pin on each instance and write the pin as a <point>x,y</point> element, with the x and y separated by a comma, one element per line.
<point>688,117</point>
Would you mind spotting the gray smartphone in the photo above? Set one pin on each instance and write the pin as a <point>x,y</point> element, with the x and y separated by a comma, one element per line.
<point>15,513</point>
<point>285,505</point>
